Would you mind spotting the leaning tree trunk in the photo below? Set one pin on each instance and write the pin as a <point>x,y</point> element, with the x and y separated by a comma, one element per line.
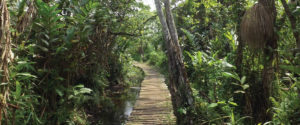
<point>5,50</point>
<point>179,86</point>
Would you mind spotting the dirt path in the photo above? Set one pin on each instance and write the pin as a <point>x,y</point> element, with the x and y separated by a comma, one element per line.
<point>154,104</point>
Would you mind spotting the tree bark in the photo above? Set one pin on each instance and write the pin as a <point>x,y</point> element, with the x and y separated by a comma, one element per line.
<point>239,58</point>
<point>171,23</point>
<point>293,21</point>
<point>5,51</point>
<point>261,114</point>
<point>179,86</point>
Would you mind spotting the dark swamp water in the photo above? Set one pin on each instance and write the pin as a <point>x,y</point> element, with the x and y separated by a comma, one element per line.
<point>121,107</point>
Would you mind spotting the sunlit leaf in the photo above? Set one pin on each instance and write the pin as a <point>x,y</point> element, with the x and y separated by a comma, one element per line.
<point>229,75</point>
<point>243,80</point>
<point>26,74</point>
<point>182,111</point>
<point>212,105</point>
<point>246,86</point>
<point>85,90</point>
<point>239,91</point>
<point>221,102</point>
<point>233,103</point>
<point>3,84</point>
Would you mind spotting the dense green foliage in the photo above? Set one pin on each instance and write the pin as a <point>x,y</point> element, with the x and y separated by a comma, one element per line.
<point>68,57</point>
<point>208,32</point>
<point>73,56</point>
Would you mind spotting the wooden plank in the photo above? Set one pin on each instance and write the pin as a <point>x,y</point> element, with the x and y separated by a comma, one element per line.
<point>154,105</point>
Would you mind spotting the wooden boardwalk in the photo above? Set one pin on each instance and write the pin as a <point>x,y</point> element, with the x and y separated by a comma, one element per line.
<point>154,105</point>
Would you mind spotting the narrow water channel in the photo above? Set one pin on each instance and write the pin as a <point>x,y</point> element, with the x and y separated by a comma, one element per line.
<point>122,106</point>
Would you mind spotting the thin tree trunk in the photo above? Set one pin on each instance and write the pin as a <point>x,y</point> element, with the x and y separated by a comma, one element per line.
<point>239,58</point>
<point>181,92</point>
<point>244,100</point>
<point>5,51</point>
<point>293,21</point>
<point>171,23</point>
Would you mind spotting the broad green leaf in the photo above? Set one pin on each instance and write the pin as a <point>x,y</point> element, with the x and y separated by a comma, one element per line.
<point>40,25</point>
<point>243,80</point>
<point>182,111</point>
<point>226,64</point>
<point>22,62</point>
<point>85,90</point>
<point>235,84</point>
<point>59,92</point>
<point>227,74</point>
<point>246,86</point>
<point>292,86</point>
<point>212,105</point>
<point>222,102</point>
<point>199,56</point>
<point>79,86</point>
<point>43,48</point>
<point>26,74</point>
<point>45,42</point>
<point>239,91</point>
<point>70,97</point>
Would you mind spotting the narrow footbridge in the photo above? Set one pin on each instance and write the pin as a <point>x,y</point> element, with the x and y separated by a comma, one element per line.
<point>154,105</point>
